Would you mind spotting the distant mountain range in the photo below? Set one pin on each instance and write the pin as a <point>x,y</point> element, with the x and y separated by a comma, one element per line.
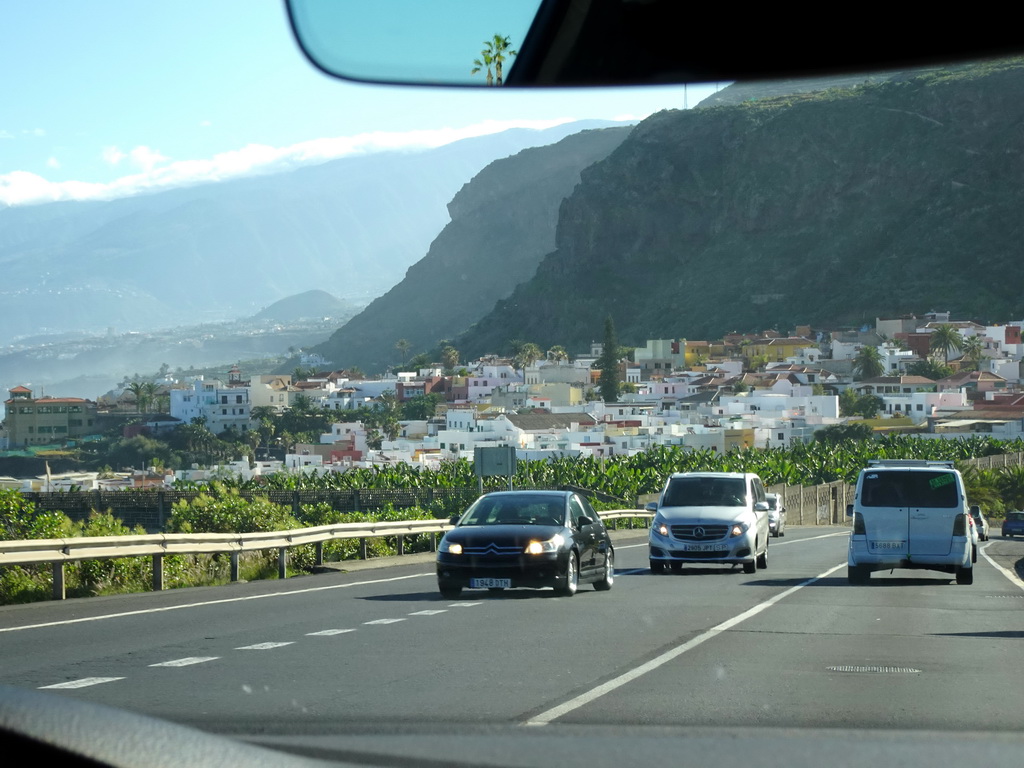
<point>222,251</point>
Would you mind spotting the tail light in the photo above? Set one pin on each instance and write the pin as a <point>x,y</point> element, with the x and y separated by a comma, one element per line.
<point>858,524</point>
<point>960,525</point>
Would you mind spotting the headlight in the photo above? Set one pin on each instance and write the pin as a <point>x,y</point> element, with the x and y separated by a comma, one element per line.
<point>451,547</point>
<point>738,529</point>
<point>551,545</point>
<point>659,526</point>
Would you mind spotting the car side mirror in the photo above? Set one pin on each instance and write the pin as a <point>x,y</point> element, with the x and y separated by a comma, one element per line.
<point>583,520</point>
<point>454,519</point>
<point>652,506</point>
<point>760,506</point>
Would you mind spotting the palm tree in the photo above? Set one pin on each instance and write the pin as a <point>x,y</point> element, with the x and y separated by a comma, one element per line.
<point>137,388</point>
<point>528,354</point>
<point>495,51</point>
<point>867,364</point>
<point>403,346</point>
<point>973,349</point>
<point>557,354</point>
<point>149,392</point>
<point>449,357</point>
<point>946,339</point>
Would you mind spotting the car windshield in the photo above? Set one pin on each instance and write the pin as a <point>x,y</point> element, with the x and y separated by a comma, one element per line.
<point>265,333</point>
<point>705,492</point>
<point>497,510</point>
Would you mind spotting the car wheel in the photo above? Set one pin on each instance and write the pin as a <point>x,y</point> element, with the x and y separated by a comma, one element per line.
<point>571,581</point>
<point>449,591</point>
<point>858,574</point>
<point>974,554</point>
<point>782,531</point>
<point>609,573</point>
<point>964,575</point>
<point>657,567</point>
<point>762,559</point>
<point>676,567</point>
<point>750,567</point>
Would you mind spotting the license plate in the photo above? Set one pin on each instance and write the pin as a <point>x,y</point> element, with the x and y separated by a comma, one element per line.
<point>489,583</point>
<point>705,548</point>
<point>887,544</point>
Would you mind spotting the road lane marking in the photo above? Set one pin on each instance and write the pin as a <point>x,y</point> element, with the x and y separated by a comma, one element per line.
<point>186,662</point>
<point>777,543</point>
<point>383,621</point>
<point>463,605</point>
<point>145,611</point>
<point>430,613</point>
<point>1014,579</point>
<point>544,718</point>
<point>263,646</point>
<point>328,632</point>
<point>85,682</point>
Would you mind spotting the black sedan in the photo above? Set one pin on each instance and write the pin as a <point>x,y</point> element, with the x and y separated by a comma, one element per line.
<point>526,539</point>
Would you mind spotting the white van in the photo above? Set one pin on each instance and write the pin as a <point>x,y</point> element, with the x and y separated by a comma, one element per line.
<point>910,514</point>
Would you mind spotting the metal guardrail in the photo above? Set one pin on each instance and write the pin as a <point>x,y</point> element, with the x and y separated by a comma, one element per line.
<point>158,545</point>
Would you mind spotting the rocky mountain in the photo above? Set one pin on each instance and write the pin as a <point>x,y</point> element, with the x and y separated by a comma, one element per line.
<point>829,207</point>
<point>502,225</point>
<point>221,251</point>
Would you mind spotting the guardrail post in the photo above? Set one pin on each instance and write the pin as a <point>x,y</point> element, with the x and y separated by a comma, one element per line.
<point>282,563</point>
<point>158,573</point>
<point>234,566</point>
<point>319,556</point>
<point>58,580</point>
<point>401,544</point>
<point>433,542</point>
<point>362,548</point>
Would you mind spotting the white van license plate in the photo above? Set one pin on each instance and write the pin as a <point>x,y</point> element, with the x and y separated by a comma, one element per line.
<point>489,583</point>
<point>887,544</point>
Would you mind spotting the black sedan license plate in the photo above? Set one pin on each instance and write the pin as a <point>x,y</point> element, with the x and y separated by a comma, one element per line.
<point>489,583</point>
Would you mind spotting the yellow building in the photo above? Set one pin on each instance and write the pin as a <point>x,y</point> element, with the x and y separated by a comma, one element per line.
<point>46,420</point>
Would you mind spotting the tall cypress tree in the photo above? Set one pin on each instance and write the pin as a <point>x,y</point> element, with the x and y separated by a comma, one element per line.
<point>609,364</point>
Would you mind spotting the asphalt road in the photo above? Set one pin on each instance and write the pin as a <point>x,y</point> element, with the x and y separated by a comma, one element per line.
<point>793,646</point>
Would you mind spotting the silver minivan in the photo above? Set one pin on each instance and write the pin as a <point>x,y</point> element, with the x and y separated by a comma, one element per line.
<point>910,514</point>
<point>710,517</point>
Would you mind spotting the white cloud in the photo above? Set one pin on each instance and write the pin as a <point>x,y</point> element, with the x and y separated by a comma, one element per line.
<point>6,135</point>
<point>158,172</point>
<point>112,155</point>
<point>205,123</point>
<point>53,162</point>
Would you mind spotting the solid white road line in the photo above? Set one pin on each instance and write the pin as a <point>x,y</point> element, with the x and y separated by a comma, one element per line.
<point>1014,579</point>
<point>85,682</point>
<point>544,718</point>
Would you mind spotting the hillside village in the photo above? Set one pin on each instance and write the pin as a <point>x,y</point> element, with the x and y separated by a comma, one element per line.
<point>762,390</point>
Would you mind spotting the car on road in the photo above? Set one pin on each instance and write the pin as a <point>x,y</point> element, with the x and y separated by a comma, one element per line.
<point>710,517</point>
<point>533,539</point>
<point>776,515</point>
<point>980,523</point>
<point>1013,524</point>
<point>911,514</point>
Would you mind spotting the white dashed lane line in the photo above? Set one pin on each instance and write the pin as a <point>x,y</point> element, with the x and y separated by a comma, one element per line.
<point>328,632</point>
<point>383,621</point>
<point>188,661</point>
<point>463,605</point>
<point>85,682</point>
<point>430,613</point>
<point>263,646</point>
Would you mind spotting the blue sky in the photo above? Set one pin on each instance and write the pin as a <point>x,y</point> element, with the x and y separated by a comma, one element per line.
<point>106,98</point>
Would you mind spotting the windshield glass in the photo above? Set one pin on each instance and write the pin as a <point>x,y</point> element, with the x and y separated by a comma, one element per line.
<point>497,510</point>
<point>910,489</point>
<point>705,492</point>
<point>264,334</point>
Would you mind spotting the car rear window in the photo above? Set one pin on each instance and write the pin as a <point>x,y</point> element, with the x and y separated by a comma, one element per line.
<point>910,489</point>
<point>706,492</point>
<point>1015,516</point>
